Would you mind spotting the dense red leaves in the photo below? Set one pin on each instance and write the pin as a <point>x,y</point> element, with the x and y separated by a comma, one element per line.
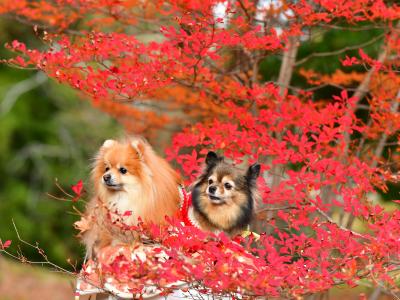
<point>352,11</point>
<point>321,162</point>
<point>280,264</point>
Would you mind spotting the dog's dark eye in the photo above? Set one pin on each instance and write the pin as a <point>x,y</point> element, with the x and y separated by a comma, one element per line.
<point>123,170</point>
<point>107,169</point>
<point>210,181</point>
<point>228,186</point>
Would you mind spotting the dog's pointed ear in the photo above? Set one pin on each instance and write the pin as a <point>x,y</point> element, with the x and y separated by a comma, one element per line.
<point>138,146</point>
<point>253,172</point>
<point>212,159</point>
<point>108,143</point>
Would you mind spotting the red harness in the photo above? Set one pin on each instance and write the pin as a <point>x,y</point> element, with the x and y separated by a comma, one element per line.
<point>186,203</point>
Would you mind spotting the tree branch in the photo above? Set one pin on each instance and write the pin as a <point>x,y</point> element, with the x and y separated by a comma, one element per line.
<point>382,142</point>
<point>288,64</point>
<point>331,53</point>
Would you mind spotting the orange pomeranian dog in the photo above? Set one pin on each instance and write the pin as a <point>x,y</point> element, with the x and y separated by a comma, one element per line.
<point>130,182</point>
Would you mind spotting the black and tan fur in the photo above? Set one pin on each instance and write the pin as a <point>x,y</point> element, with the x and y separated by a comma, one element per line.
<point>224,196</point>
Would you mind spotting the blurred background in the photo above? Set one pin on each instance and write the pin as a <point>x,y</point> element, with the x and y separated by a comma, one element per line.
<point>49,135</point>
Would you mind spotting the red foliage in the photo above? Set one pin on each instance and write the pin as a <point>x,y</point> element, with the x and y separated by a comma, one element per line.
<point>320,160</point>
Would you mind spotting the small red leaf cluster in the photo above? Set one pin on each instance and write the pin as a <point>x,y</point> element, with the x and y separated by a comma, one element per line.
<point>77,189</point>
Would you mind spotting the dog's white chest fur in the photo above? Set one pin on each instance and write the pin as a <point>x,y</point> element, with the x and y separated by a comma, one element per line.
<point>125,207</point>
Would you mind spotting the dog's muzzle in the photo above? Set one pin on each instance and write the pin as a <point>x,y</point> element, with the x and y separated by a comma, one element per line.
<point>108,181</point>
<point>216,200</point>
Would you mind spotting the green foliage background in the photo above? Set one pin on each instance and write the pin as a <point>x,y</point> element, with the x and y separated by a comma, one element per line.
<point>47,134</point>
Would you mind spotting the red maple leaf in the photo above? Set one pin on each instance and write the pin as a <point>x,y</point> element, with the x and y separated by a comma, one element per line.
<point>77,188</point>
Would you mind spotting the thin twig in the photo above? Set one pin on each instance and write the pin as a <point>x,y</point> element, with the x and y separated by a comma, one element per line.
<point>382,142</point>
<point>331,53</point>
<point>275,208</point>
<point>40,251</point>
<point>330,220</point>
<point>61,189</point>
<point>288,63</point>
<point>58,198</point>
<point>244,10</point>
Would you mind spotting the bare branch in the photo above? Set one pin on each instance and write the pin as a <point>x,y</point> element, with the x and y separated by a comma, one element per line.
<point>382,142</point>
<point>345,49</point>
<point>275,208</point>
<point>46,261</point>
<point>288,64</point>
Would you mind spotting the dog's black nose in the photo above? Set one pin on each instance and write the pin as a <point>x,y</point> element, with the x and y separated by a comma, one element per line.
<point>212,189</point>
<point>106,177</point>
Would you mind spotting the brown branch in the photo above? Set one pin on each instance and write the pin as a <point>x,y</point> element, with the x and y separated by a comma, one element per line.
<point>347,48</point>
<point>244,10</point>
<point>40,251</point>
<point>363,89</point>
<point>379,149</point>
<point>61,189</point>
<point>288,63</point>
<point>285,76</point>
<point>382,142</point>
<point>59,198</point>
<point>382,287</point>
<point>275,209</point>
<point>42,26</point>
<point>330,220</point>
<point>362,28</point>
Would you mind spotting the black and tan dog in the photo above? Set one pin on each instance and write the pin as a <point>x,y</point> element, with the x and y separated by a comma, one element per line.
<point>224,196</point>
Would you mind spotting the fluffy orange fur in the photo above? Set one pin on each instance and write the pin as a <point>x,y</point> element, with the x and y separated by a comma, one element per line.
<point>140,185</point>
